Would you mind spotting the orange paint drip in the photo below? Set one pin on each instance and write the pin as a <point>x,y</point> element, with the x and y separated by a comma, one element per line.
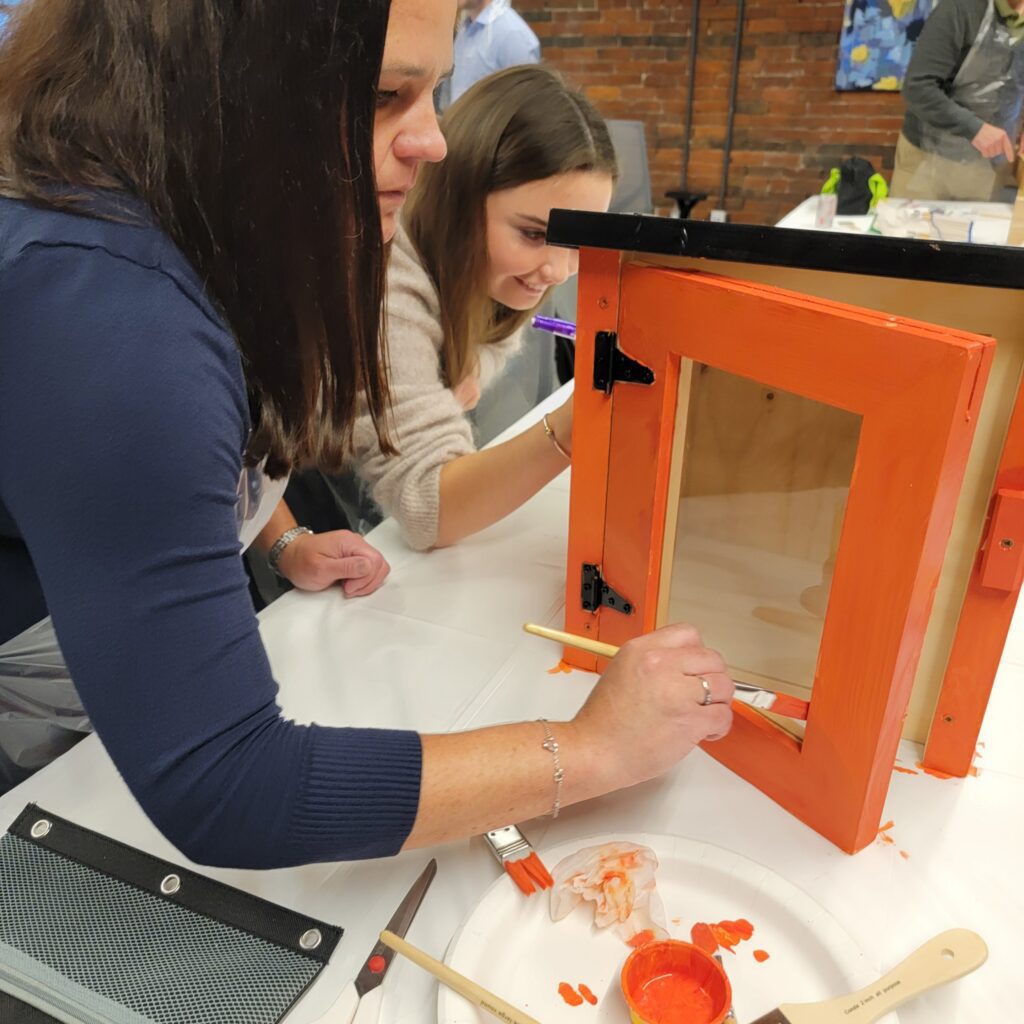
<point>569,994</point>
<point>702,937</point>
<point>724,934</point>
<point>904,855</point>
<point>641,938</point>
<point>587,994</point>
<point>887,840</point>
<point>729,933</point>
<point>905,771</point>
<point>562,666</point>
<point>885,828</point>
<point>760,955</point>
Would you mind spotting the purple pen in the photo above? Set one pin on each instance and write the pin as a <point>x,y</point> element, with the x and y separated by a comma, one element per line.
<point>549,323</point>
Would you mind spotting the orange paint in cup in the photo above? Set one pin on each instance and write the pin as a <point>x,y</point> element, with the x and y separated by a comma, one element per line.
<point>674,982</point>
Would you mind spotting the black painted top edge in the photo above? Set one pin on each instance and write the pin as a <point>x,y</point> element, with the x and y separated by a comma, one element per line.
<point>992,266</point>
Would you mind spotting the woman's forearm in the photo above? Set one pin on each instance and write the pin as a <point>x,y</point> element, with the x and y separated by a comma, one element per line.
<point>477,490</point>
<point>477,781</point>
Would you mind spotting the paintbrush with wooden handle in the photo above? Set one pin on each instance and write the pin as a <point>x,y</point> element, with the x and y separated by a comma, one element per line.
<point>466,988</point>
<point>945,958</point>
<point>755,696</point>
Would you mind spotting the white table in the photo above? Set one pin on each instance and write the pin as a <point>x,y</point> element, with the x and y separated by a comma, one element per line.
<point>991,226</point>
<point>440,648</point>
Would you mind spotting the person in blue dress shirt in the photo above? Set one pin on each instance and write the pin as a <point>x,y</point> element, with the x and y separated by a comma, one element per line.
<point>492,37</point>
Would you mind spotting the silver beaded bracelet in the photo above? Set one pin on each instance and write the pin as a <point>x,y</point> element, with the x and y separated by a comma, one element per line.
<point>274,554</point>
<point>550,744</point>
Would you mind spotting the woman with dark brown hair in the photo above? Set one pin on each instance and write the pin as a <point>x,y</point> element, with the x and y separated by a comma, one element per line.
<point>194,199</point>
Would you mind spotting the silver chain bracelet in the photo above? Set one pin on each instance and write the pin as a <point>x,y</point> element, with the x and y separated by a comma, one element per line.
<point>550,744</point>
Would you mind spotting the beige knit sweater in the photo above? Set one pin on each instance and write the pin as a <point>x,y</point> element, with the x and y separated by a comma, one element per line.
<point>428,425</point>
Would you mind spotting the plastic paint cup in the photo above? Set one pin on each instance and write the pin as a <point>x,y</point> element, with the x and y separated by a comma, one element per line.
<point>674,982</point>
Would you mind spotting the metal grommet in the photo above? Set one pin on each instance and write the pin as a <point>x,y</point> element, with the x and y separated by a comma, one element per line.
<point>40,828</point>
<point>170,885</point>
<point>311,939</point>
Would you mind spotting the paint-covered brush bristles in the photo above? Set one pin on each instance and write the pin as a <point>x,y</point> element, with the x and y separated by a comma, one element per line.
<point>512,850</point>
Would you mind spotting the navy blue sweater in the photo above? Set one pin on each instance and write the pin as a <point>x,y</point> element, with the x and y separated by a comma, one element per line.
<point>123,419</point>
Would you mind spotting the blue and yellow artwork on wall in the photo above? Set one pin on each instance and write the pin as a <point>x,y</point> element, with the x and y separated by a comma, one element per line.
<point>877,40</point>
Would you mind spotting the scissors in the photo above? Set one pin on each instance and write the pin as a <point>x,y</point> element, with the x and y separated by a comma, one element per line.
<point>360,1000</point>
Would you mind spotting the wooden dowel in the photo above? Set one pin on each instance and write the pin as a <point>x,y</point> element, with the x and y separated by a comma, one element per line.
<point>458,982</point>
<point>583,643</point>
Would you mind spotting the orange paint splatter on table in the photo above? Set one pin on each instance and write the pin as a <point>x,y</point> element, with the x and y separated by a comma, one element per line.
<point>760,955</point>
<point>641,938</point>
<point>587,994</point>
<point>569,994</point>
<point>904,855</point>
<point>905,771</point>
<point>562,666</point>
<point>724,934</point>
<point>935,773</point>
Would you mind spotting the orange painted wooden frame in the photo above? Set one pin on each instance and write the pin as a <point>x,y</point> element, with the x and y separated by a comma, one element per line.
<point>916,388</point>
<point>982,629</point>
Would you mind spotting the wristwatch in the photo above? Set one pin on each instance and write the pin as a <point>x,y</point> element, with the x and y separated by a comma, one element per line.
<point>274,555</point>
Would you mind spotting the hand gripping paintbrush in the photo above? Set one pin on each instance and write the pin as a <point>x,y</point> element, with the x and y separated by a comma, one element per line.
<point>754,696</point>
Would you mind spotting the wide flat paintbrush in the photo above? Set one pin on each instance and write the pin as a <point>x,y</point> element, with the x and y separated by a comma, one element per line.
<point>755,696</point>
<point>945,958</point>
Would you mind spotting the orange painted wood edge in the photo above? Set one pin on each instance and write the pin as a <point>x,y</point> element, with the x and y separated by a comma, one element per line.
<point>880,737</point>
<point>597,310</point>
<point>979,641</point>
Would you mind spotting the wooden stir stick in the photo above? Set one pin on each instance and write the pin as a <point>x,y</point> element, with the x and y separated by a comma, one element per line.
<point>458,982</point>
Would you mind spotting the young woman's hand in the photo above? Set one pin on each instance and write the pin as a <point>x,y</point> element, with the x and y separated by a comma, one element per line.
<point>467,391</point>
<point>647,711</point>
<point>316,561</point>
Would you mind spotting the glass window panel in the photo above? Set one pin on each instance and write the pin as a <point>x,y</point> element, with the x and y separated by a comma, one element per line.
<point>764,479</point>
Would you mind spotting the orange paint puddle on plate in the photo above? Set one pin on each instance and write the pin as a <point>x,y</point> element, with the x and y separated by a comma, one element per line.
<point>562,666</point>
<point>724,934</point>
<point>587,994</point>
<point>760,955</point>
<point>569,994</point>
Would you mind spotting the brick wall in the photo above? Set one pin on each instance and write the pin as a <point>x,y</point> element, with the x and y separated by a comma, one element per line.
<point>631,57</point>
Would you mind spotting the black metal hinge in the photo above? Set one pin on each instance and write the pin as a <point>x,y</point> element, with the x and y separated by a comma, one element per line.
<point>611,364</point>
<point>595,593</point>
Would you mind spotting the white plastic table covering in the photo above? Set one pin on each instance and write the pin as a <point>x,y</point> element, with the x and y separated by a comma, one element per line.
<point>440,647</point>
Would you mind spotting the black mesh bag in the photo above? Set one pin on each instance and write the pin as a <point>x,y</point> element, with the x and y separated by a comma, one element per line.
<point>96,932</point>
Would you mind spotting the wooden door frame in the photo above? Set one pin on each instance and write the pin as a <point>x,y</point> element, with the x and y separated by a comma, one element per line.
<point>926,386</point>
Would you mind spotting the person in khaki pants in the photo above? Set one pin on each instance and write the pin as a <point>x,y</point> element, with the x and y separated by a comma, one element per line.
<point>964,92</point>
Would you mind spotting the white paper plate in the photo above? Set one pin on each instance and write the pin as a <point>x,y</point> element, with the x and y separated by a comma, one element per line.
<point>509,944</point>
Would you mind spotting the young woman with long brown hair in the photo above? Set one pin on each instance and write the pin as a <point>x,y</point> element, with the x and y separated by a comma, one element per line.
<point>194,198</point>
<point>468,264</point>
